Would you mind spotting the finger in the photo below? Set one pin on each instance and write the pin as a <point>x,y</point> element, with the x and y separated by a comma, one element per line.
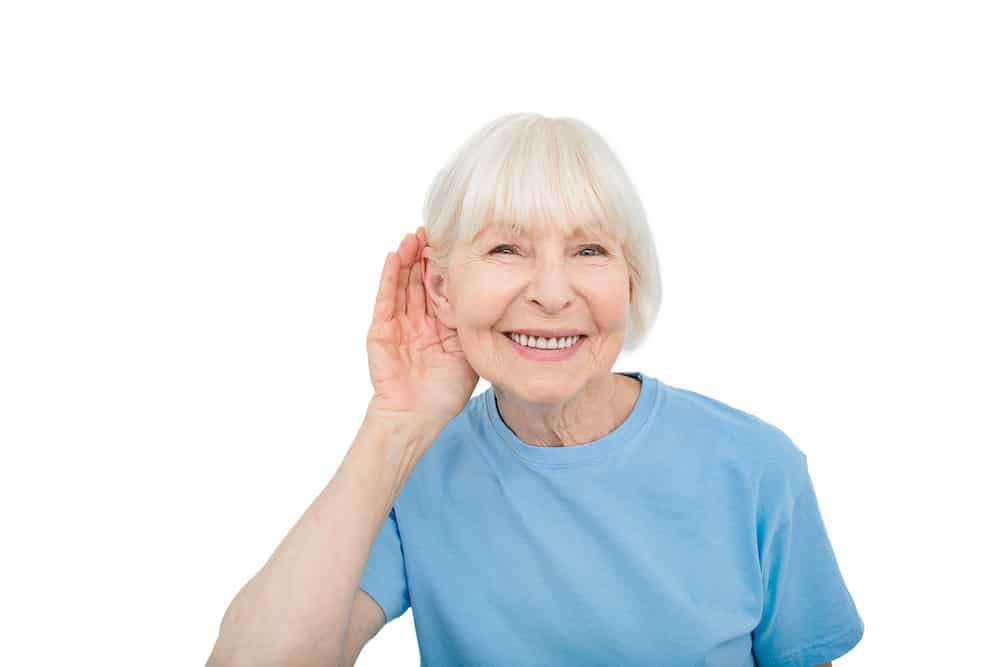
<point>384,299</point>
<point>404,276</point>
<point>422,232</point>
<point>416,305</point>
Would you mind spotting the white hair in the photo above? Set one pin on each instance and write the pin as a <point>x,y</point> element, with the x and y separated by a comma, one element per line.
<point>526,169</point>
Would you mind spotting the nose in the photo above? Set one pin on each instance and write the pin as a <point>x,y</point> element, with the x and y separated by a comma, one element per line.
<point>551,287</point>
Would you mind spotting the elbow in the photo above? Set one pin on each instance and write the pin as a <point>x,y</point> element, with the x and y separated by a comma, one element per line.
<point>224,654</point>
<point>232,646</point>
<point>233,650</point>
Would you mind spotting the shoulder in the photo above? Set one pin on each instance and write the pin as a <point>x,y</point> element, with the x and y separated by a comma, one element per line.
<point>752,434</point>
<point>764,455</point>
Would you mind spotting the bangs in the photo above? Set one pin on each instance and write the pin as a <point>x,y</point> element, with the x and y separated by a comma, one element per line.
<point>539,177</point>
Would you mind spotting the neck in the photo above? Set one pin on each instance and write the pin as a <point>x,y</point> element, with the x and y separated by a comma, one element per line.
<point>600,407</point>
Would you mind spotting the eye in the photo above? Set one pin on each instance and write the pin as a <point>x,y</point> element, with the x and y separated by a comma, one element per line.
<point>499,247</point>
<point>597,248</point>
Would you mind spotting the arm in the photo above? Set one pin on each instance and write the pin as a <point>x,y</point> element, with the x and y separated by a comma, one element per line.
<point>296,610</point>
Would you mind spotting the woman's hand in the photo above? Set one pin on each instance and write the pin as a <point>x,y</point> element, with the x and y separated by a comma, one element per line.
<point>417,366</point>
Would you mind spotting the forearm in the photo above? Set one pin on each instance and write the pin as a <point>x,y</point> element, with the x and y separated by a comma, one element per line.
<point>296,609</point>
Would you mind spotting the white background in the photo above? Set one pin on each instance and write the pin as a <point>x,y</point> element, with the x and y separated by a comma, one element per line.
<point>196,199</point>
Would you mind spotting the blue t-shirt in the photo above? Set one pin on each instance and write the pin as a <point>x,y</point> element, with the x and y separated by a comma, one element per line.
<point>689,535</point>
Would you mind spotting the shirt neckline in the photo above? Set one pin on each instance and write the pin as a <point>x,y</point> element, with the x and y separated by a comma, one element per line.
<point>578,454</point>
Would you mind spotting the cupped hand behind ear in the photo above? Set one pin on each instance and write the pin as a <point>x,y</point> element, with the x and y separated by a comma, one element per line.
<point>416,363</point>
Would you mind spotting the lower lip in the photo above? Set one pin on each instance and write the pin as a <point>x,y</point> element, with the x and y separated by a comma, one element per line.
<point>545,355</point>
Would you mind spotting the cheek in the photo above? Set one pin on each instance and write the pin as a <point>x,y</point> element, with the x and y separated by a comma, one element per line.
<point>484,302</point>
<point>609,299</point>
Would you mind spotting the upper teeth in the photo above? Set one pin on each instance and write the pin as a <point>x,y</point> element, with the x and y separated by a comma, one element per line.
<point>544,343</point>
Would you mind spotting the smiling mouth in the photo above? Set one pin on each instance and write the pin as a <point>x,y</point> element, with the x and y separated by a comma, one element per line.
<point>574,340</point>
<point>513,331</point>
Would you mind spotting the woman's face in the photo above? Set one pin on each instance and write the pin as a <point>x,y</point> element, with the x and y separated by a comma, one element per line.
<point>500,282</point>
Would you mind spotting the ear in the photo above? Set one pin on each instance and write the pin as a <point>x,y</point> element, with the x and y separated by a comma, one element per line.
<point>435,287</point>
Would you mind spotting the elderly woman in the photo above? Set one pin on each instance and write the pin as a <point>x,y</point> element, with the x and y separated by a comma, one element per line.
<point>568,515</point>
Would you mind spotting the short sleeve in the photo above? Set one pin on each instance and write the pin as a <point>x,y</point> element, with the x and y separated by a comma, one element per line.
<point>384,577</point>
<point>809,616</point>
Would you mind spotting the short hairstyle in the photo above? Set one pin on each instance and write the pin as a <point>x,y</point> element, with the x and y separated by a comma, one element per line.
<point>526,169</point>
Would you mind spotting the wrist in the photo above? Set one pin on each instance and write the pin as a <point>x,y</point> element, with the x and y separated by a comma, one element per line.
<point>403,428</point>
